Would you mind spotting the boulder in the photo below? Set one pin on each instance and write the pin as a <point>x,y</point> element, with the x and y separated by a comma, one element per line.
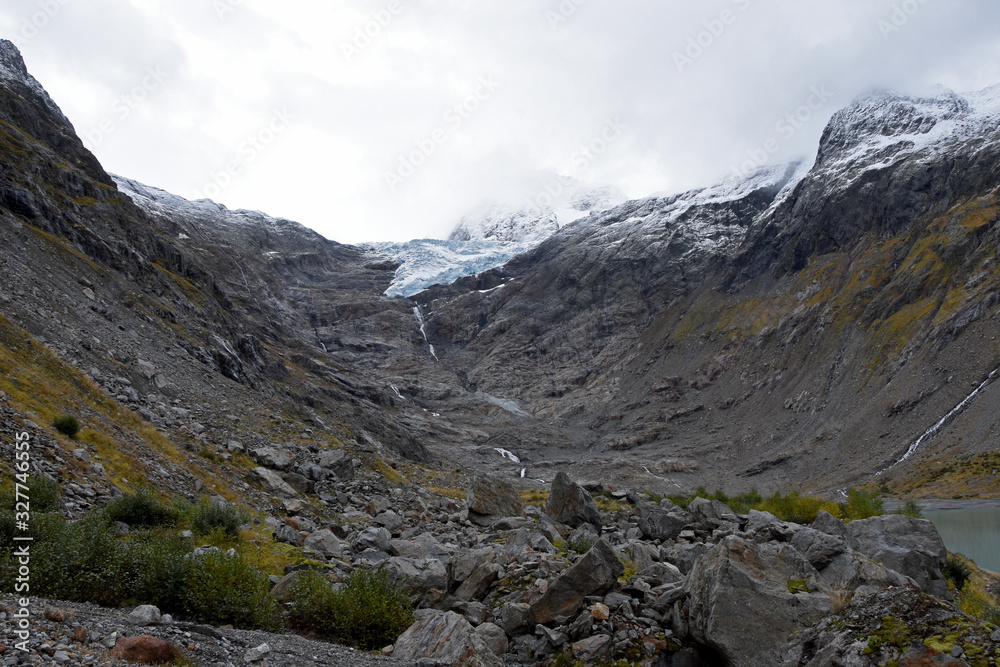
<point>515,618</point>
<point>269,457</point>
<point>478,584</point>
<point>570,504</point>
<point>490,498</point>
<point>146,614</point>
<point>338,462</point>
<point>466,562</point>
<point>378,539</point>
<point>703,508</point>
<point>256,654</point>
<point>390,521</point>
<point>682,555</point>
<point>273,483</point>
<point>288,535</point>
<point>422,546</point>
<point>909,546</point>
<point>282,591</point>
<point>446,637</point>
<point>818,547</point>
<point>747,598</point>
<point>145,650</point>
<point>594,574</point>
<point>418,575</point>
<point>659,524</point>
<point>829,524</point>
<point>327,544</point>
<point>526,539</point>
<point>494,637</point>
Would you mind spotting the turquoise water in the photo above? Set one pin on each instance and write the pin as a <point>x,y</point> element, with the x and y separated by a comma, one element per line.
<point>974,533</point>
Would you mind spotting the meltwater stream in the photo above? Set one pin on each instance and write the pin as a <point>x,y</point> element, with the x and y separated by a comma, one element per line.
<point>934,430</point>
<point>423,331</point>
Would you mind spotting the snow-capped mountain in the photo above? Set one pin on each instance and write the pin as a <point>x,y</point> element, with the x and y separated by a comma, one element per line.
<point>496,232</point>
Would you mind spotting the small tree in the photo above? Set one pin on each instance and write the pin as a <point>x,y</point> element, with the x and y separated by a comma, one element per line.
<point>68,425</point>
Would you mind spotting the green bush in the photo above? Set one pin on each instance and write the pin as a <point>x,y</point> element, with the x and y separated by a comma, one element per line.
<point>369,611</point>
<point>218,516</point>
<point>911,509</point>
<point>141,509</point>
<point>957,571</point>
<point>581,544</point>
<point>229,589</point>
<point>862,505</point>
<point>68,425</point>
<point>43,494</point>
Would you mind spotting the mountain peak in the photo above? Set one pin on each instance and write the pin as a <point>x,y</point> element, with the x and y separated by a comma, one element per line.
<point>13,69</point>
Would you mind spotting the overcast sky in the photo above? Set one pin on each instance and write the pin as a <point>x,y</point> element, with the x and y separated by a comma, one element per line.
<point>388,119</point>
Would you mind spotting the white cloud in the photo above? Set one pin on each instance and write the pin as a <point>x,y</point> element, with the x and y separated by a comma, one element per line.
<point>358,110</point>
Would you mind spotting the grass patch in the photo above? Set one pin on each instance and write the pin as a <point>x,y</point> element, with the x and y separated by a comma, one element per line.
<point>215,515</point>
<point>536,497</point>
<point>368,611</point>
<point>793,507</point>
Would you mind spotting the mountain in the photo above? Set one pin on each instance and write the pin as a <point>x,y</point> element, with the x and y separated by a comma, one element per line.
<point>495,233</point>
<point>805,324</point>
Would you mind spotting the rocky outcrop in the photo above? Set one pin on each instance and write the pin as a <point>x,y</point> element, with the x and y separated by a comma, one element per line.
<point>594,574</point>
<point>490,498</point>
<point>570,504</point>
<point>444,637</point>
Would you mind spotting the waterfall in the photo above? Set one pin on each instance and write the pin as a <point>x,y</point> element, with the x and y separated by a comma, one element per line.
<point>423,330</point>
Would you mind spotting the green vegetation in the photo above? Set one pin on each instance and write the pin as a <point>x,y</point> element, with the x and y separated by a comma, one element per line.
<point>368,611</point>
<point>223,517</point>
<point>141,509</point>
<point>911,509</point>
<point>794,506</point>
<point>43,494</point>
<point>892,632</point>
<point>581,544</point>
<point>957,571</point>
<point>68,425</point>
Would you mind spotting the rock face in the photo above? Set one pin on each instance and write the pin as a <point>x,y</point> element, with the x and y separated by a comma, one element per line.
<point>490,498</point>
<point>596,573</point>
<point>570,504</point>
<point>447,638</point>
<point>909,546</point>
<point>739,588</point>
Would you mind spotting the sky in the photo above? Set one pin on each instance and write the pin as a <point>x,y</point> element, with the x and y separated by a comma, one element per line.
<point>387,120</point>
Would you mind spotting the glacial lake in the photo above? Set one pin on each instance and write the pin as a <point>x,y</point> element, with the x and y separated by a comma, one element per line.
<point>973,532</point>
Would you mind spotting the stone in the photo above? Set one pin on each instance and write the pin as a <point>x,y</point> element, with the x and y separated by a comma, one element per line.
<point>478,584</point>
<point>682,555</point>
<point>146,614</point>
<point>418,575</point>
<point>390,521</point>
<point>297,482</point>
<point>326,543</point>
<point>703,508</point>
<point>273,483</point>
<point>338,462</point>
<point>494,637</point>
<point>145,650</point>
<point>58,615</point>
<point>747,598</point>
<point>445,637</point>
<point>79,634</point>
<point>288,535</point>
<point>909,546</point>
<point>829,524</point>
<point>526,539</point>
<point>489,498</point>
<point>515,618</point>
<point>270,457</point>
<point>659,524</point>
<point>592,648</point>
<point>570,504</point>
<point>61,657</point>
<point>600,611</point>
<point>818,547</point>
<point>423,546</point>
<point>594,574</point>
<point>378,539</point>
<point>256,654</point>
<point>921,655</point>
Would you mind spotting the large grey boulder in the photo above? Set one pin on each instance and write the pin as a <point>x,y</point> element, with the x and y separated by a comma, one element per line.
<point>325,543</point>
<point>273,483</point>
<point>713,510</point>
<point>747,598</point>
<point>570,504</point>
<point>594,574</point>
<point>465,562</point>
<point>909,546</point>
<point>270,457</point>
<point>339,462</point>
<point>657,523</point>
<point>422,546</point>
<point>490,498</point>
<point>418,575</point>
<point>478,583</point>
<point>378,539</point>
<point>446,637</point>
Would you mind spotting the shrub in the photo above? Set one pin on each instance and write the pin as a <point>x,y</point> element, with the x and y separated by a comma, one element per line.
<point>229,589</point>
<point>862,505</point>
<point>68,425</point>
<point>141,509</point>
<point>369,611</point>
<point>43,494</point>
<point>216,515</point>
<point>957,571</point>
<point>581,544</point>
<point>911,509</point>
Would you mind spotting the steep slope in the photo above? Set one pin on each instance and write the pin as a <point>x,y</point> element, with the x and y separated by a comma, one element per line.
<point>805,326</point>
